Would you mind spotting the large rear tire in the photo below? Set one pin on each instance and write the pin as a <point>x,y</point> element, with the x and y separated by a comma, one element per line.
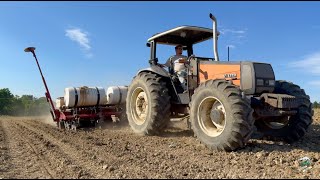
<point>220,117</point>
<point>288,128</point>
<point>148,104</point>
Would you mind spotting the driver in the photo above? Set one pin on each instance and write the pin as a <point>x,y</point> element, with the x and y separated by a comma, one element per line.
<point>177,63</point>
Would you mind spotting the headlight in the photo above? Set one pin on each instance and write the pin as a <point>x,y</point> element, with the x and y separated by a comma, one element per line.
<point>260,82</point>
<point>271,82</point>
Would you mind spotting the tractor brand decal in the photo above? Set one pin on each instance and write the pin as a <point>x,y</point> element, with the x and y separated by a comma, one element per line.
<point>231,75</point>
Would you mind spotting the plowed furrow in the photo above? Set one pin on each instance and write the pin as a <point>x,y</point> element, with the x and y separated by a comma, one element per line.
<point>120,148</point>
<point>22,148</point>
<point>4,152</point>
<point>91,166</point>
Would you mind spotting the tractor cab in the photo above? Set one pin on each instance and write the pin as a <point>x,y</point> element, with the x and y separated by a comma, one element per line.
<point>187,36</point>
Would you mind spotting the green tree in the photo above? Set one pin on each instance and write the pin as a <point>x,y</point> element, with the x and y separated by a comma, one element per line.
<point>26,105</point>
<point>17,107</point>
<point>27,101</point>
<point>39,106</point>
<point>6,101</point>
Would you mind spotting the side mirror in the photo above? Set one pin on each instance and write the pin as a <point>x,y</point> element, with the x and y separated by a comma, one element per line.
<point>148,44</point>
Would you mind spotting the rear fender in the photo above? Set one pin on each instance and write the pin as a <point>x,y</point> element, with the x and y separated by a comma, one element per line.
<point>157,70</point>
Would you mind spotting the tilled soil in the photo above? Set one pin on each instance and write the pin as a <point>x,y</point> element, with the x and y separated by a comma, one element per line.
<point>33,148</point>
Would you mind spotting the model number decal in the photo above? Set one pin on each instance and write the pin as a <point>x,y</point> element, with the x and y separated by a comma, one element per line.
<point>231,75</point>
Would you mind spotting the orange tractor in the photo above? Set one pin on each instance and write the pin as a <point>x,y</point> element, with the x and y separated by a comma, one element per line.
<point>224,101</point>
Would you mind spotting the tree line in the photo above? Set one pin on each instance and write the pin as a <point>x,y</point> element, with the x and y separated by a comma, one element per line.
<point>26,105</point>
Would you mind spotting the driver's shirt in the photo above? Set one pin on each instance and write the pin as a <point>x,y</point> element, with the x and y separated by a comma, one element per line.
<point>175,61</point>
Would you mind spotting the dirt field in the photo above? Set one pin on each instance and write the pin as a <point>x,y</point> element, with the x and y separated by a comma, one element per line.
<point>34,148</point>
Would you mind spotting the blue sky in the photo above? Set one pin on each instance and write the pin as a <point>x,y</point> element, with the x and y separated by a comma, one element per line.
<point>103,43</point>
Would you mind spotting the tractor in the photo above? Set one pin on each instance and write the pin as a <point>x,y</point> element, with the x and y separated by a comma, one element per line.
<point>225,101</point>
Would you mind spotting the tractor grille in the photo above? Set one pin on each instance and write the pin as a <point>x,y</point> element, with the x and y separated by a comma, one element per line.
<point>282,101</point>
<point>288,102</point>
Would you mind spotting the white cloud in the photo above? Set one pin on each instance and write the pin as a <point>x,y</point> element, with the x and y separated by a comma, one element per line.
<point>310,63</point>
<point>81,37</point>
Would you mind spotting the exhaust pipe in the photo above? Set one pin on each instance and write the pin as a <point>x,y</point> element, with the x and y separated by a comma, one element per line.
<point>215,37</point>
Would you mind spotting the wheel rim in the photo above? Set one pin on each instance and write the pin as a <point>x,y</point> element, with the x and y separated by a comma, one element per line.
<point>211,116</point>
<point>139,104</point>
<point>280,123</point>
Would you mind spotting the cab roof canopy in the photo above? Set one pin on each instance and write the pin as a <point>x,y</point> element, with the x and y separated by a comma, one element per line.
<point>184,35</point>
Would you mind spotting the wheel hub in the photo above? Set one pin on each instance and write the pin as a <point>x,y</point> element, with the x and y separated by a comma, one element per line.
<point>216,116</point>
<point>211,116</point>
<point>278,123</point>
<point>141,104</point>
<point>140,110</point>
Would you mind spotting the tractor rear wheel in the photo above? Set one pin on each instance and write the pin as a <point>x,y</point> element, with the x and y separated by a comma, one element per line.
<point>288,128</point>
<point>148,104</point>
<point>220,117</point>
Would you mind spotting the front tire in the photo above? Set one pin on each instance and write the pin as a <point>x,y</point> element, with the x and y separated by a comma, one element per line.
<point>148,104</point>
<point>220,117</point>
<point>290,128</point>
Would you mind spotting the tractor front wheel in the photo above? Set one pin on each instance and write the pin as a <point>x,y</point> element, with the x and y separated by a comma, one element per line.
<point>220,117</point>
<point>288,128</point>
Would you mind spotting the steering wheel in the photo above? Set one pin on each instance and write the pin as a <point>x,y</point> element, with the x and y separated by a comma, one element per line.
<point>187,64</point>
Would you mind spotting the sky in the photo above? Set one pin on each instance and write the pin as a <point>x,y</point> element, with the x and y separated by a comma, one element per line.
<point>103,44</point>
